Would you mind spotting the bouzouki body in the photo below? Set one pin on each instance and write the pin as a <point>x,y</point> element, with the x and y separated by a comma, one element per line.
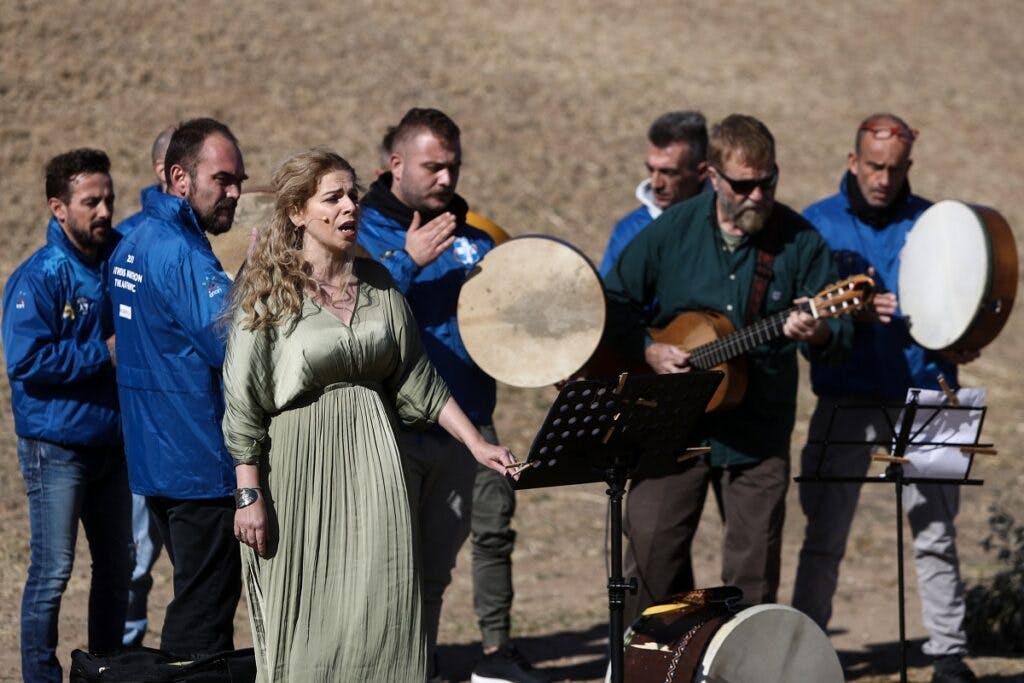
<point>696,328</point>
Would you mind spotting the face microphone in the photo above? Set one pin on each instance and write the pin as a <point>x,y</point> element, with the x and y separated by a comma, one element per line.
<point>327,220</point>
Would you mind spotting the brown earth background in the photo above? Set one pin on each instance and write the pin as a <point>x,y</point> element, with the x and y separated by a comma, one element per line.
<point>554,100</point>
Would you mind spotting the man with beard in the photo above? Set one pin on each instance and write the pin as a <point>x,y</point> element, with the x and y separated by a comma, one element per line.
<point>738,252</point>
<point>168,292</point>
<point>146,538</point>
<point>415,224</point>
<point>677,144</point>
<point>59,344</point>
<point>866,225</point>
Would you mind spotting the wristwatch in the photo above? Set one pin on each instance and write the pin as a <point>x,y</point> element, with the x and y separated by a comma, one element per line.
<point>246,497</point>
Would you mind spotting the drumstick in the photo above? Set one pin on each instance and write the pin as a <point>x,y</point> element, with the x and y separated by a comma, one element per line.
<point>950,394</point>
<point>883,456</point>
<point>978,450</point>
<point>520,466</point>
<point>694,452</point>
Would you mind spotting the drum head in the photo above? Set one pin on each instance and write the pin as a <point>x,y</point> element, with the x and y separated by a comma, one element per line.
<point>532,312</point>
<point>944,274</point>
<point>254,211</point>
<point>770,643</point>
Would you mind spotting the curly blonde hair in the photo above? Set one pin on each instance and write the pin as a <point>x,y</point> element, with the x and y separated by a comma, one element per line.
<point>270,288</point>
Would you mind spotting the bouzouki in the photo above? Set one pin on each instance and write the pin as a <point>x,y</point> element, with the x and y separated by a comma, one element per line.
<point>715,344</point>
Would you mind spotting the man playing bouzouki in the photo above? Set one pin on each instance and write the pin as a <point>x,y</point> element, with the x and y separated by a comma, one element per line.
<point>745,256</point>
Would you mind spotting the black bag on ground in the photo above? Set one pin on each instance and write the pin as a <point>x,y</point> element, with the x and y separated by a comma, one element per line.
<point>148,665</point>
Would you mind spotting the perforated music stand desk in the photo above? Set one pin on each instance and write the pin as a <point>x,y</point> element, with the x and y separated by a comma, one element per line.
<point>611,430</point>
<point>901,437</point>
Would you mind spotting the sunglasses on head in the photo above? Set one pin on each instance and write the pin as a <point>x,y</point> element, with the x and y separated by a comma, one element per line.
<point>745,187</point>
<point>886,132</point>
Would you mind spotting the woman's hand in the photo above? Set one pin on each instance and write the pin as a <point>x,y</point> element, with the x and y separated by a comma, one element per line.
<point>251,525</point>
<point>498,458</point>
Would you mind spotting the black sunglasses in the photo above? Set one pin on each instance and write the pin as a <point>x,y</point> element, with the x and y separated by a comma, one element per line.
<point>745,187</point>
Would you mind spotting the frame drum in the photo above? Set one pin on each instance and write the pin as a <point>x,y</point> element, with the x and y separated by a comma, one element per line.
<point>532,311</point>
<point>705,642</point>
<point>958,276</point>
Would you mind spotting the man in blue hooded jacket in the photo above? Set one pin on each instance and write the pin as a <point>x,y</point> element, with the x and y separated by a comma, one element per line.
<point>168,292</point>
<point>144,533</point>
<point>677,147</point>
<point>866,225</point>
<point>415,224</point>
<point>58,341</point>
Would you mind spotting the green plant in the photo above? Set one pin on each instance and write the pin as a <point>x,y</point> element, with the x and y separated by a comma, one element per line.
<point>995,606</point>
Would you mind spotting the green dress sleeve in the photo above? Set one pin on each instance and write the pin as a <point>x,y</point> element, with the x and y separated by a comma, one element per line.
<point>248,392</point>
<point>418,390</point>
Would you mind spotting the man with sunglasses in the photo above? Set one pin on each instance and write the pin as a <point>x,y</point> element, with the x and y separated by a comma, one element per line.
<point>738,252</point>
<point>866,224</point>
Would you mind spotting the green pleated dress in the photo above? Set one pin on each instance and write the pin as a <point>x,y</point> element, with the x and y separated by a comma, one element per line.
<point>316,406</point>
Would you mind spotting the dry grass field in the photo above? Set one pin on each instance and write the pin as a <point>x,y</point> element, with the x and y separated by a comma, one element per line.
<point>554,100</point>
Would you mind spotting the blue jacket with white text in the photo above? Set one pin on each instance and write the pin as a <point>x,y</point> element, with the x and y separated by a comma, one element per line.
<point>168,292</point>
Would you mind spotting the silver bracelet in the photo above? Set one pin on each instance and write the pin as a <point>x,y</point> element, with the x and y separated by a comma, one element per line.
<point>246,497</point>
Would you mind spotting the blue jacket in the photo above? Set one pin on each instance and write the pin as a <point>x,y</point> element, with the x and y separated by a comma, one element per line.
<point>630,225</point>
<point>56,320</point>
<point>432,291</point>
<point>129,224</point>
<point>884,361</point>
<point>168,290</point>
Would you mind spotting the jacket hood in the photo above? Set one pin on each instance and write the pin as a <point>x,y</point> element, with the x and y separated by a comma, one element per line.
<point>383,200</point>
<point>645,193</point>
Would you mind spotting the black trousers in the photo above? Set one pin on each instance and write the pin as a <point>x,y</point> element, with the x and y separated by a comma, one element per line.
<point>661,518</point>
<point>198,535</point>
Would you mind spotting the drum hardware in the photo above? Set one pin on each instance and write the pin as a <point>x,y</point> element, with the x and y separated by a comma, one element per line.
<point>610,430</point>
<point>906,435</point>
<point>957,276</point>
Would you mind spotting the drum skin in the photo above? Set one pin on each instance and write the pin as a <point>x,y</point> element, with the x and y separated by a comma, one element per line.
<point>699,637</point>
<point>532,311</point>
<point>958,276</point>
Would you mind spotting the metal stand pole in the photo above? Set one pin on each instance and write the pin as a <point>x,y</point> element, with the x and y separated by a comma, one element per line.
<point>617,585</point>
<point>895,471</point>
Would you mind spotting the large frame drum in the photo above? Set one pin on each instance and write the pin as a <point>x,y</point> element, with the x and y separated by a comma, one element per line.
<point>532,312</point>
<point>958,276</point>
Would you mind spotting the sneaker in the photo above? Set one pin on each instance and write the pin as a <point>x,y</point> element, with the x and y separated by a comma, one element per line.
<point>952,669</point>
<point>506,665</point>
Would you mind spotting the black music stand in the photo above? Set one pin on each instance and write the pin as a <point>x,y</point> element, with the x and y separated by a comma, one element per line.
<point>900,438</point>
<point>611,430</point>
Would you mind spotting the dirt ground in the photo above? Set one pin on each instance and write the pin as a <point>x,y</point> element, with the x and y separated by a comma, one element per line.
<point>554,100</point>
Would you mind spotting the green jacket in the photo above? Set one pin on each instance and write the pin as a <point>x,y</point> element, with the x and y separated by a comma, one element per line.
<point>680,263</point>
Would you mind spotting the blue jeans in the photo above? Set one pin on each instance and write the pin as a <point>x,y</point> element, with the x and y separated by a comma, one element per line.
<point>147,550</point>
<point>64,486</point>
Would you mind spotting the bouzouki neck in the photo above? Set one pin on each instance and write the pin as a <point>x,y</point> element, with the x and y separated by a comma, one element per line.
<point>835,300</point>
<point>724,349</point>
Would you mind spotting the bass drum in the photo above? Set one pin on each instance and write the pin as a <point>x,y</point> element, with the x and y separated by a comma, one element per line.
<point>958,276</point>
<point>697,637</point>
<point>532,311</point>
